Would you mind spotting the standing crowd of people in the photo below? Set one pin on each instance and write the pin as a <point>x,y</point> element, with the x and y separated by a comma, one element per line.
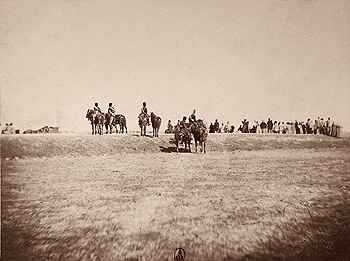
<point>216,127</point>
<point>317,126</point>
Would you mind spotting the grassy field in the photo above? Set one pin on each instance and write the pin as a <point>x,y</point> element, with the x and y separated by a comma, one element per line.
<point>251,197</point>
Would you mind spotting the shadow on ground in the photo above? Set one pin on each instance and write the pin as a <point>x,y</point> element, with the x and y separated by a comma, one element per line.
<point>172,149</point>
<point>138,135</point>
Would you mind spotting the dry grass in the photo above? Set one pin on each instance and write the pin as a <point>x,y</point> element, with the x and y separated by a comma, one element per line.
<point>271,204</point>
<point>44,145</point>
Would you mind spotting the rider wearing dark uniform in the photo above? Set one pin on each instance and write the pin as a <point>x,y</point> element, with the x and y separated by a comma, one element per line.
<point>192,118</point>
<point>144,108</point>
<point>97,108</point>
<point>144,112</point>
<point>183,122</point>
<point>111,109</point>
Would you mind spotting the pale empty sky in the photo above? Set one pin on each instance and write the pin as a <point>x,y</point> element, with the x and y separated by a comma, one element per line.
<point>228,59</point>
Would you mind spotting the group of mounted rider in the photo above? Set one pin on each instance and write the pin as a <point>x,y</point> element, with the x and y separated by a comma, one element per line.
<point>183,131</point>
<point>109,120</point>
<point>194,127</point>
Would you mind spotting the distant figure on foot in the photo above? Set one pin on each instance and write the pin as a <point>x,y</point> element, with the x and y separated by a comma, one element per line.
<point>170,128</point>
<point>216,126</point>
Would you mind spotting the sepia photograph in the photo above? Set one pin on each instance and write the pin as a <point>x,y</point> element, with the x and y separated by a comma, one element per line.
<point>187,130</point>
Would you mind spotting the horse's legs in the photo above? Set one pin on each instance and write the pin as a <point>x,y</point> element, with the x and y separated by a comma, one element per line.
<point>204,147</point>
<point>189,146</point>
<point>195,143</point>
<point>100,129</point>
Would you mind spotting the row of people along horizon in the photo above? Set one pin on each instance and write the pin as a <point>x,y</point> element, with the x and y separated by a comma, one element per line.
<point>317,126</point>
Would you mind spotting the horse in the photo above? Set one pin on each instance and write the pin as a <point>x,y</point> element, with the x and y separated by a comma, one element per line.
<point>96,121</point>
<point>156,122</point>
<point>143,122</point>
<point>109,118</point>
<point>90,115</point>
<point>200,134</point>
<point>120,120</point>
<point>182,135</point>
<point>99,122</point>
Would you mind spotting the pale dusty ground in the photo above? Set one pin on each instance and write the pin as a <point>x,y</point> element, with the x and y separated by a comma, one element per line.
<point>141,206</point>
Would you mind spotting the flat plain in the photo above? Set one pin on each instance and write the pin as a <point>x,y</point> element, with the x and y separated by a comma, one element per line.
<point>125,197</point>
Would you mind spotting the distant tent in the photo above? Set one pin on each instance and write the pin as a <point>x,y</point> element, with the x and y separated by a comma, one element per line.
<point>9,129</point>
<point>53,129</point>
<point>45,129</point>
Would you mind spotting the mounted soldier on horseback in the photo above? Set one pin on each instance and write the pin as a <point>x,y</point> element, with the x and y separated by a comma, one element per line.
<point>143,119</point>
<point>182,134</point>
<point>110,118</point>
<point>97,108</point>
<point>199,131</point>
<point>96,118</point>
